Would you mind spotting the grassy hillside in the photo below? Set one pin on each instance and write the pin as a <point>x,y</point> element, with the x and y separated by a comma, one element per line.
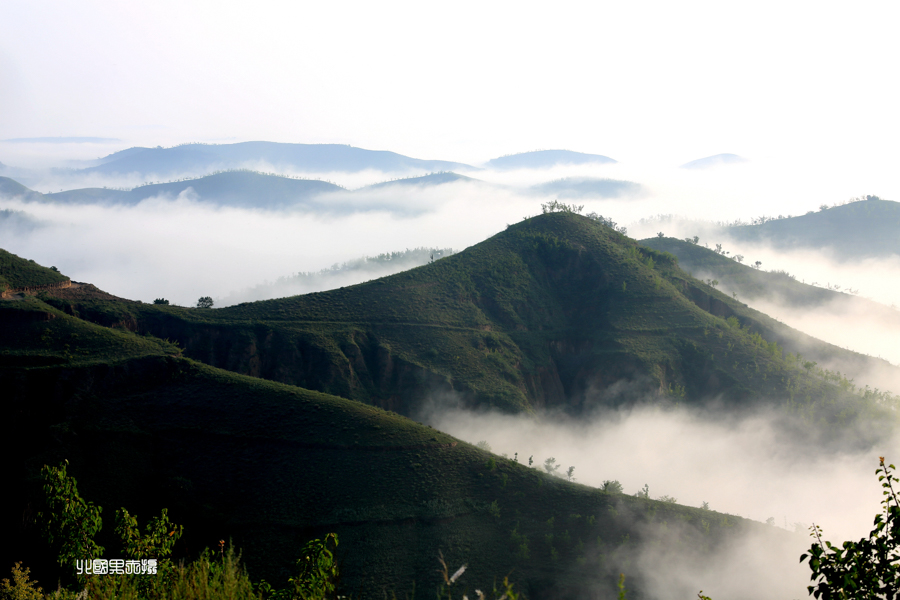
<point>755,285</point>
<point>270,466</point>
<point>747,282</point>
<point>859,229</point>
<point>18,272</point>
<point>556,311</point>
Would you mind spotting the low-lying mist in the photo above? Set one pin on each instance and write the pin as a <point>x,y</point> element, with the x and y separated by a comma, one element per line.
<point>755,466</point>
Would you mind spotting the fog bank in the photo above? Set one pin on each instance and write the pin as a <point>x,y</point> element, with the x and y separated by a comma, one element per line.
<point>750,466</point>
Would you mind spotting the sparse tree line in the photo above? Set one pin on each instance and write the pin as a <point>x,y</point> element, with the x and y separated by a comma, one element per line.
<point>756,265</point>
<point>576,209</point>
<point>761,220</point>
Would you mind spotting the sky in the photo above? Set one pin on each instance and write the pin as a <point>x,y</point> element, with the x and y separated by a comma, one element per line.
<point>649,82</point>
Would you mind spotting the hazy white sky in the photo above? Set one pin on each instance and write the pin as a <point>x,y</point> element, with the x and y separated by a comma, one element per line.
<point>811,83</point>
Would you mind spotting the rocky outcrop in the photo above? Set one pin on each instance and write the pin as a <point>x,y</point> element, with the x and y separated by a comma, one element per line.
<point>34,289</point>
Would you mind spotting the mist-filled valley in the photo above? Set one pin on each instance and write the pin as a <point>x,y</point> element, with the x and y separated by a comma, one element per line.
<point>617,318</point>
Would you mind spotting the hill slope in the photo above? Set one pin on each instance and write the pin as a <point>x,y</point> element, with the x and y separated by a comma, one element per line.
<point>16,272</point>
<point>425,180</point>
<point>556,311</point>
<point>271,466</point>
<point>12,188</point>
<point>852,231</point>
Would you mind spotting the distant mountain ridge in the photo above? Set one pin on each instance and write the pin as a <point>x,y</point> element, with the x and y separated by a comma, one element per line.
<point>246,189</point>
<point>714,161</point>
<point>860,229</point>
<point>544,159</point>
<point>588,187</point>
<point>193,158</point>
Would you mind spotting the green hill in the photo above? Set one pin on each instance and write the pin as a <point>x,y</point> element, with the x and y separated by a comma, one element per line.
<point>270,466</point>
<point>18,272</point>
<point>557,311</point>
<point>856,230</point>
<point>754,285</point>
<point>749,283</point>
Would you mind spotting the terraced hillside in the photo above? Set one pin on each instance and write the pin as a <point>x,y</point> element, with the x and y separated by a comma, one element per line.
<point>270,466</point>
<point>556,311</point>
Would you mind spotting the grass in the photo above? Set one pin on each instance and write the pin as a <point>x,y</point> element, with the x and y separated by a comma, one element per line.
<point>16,272</point>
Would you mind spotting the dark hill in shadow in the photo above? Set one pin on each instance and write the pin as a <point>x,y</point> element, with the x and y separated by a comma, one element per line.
<point>270,466</point>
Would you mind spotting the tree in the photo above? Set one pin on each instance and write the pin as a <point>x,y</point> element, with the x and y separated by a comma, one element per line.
<point>757,264</point>
<point>660,234</point>
<point>205,302</point>
<point>864,569</point>
<point>160,301</point>
<point>611,487</point>
<point>739,258</point>
<point>550,466</point>
<point>70,521</point>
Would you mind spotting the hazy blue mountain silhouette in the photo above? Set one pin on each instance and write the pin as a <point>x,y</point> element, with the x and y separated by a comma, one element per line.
<point>588,187</point>
<point>232,188</point>
<point>859,229</point>
<point>714,161</point>
<point>193,158</point>
<point>542,159</point>
<point>426,180</point>
<point>12,188</point>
